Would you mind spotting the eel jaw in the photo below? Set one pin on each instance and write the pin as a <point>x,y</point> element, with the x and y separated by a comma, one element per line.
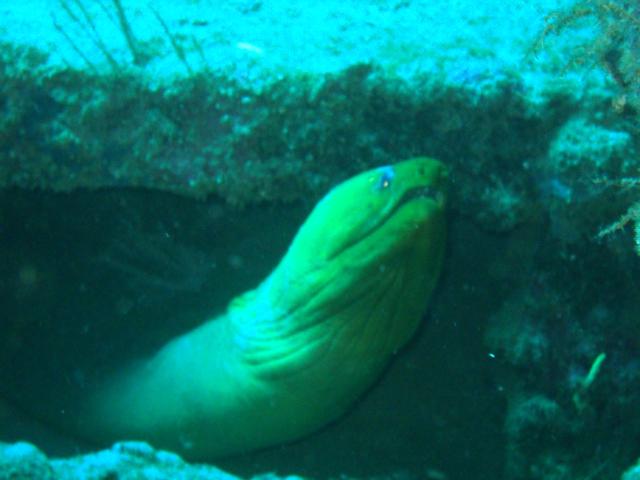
<point>424,191</point>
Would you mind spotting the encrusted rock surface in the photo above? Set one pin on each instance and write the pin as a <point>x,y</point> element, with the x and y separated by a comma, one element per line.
<point>123,461</point>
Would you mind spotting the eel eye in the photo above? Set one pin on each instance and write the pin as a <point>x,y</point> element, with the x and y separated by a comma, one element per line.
<point>386,176</point>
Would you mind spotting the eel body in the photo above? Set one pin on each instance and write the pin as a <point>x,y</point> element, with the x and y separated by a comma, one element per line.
<point>293,354</point>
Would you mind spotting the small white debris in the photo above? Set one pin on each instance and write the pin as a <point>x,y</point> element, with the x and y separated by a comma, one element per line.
<point>249,47</point>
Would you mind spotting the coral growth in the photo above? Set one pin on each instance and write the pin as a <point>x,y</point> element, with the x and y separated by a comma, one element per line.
<point>616,49</point>
<point>617,44</point>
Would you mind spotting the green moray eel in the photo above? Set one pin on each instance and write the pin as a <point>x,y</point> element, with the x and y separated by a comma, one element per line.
<point>293,354</point>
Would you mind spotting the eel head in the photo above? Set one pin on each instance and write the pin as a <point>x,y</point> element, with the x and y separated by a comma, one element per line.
<point>357,276</point>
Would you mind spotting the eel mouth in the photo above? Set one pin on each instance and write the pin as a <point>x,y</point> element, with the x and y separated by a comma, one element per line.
<point>434,193</point>
<point>424,191</point>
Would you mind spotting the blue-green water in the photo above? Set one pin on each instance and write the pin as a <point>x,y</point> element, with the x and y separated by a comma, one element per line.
<point>157,159</point>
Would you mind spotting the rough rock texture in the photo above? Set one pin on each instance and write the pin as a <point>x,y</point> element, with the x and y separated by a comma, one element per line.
<point>22,461</point>
<point>123,461</point>
<point>199,100</point>
<point>632,473</point>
